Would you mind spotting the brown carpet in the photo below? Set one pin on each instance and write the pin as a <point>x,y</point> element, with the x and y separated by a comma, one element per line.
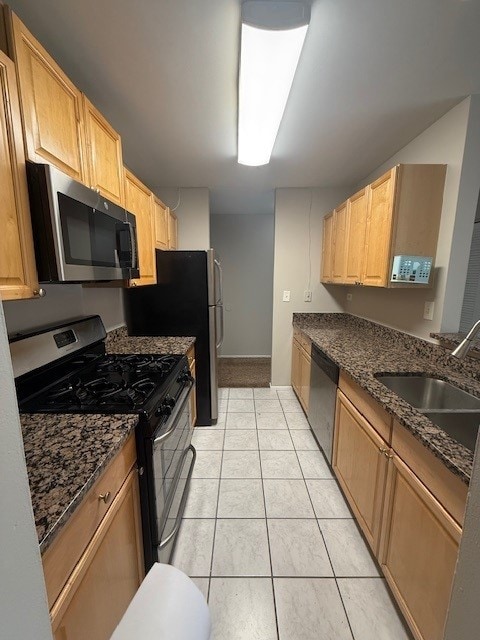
<point>244,372</point>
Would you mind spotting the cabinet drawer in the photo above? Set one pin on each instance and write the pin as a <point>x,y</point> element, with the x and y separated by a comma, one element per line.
<point>447,488</point>
<point>371,410</point>
<point>63,554</point>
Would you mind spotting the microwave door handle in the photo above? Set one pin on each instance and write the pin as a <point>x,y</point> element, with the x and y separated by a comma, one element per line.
<point>220,281</point>
<point>133,244</point>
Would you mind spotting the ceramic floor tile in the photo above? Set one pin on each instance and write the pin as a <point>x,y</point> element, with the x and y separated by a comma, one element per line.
<point>291,405</point>
<point>327,499</point>
<point>296,421</point>
<point>241,393</point>
<point>310,609</point>
<point>280,464</point>
<point>241,439</point>
<point>297,549</point>
<point>265,394</point>
<point>348,551</point>
<point>314,465</point>
<point>208,439</point>
<point>223,392</point>
<point>241,499</point>
<point>304,441</point>
<point>242,609</point>
<point>241,421</point>
<point>222,405</point>
<point>371,610</point>
<point>285,392</point>
<point>287,499</point>
<point>271,421</point>
<point>268,405</point>
<point>241,464</point>
<point>241,548</point>
<point>240,405</point>
<point>202,499</point>
<point>202,584</point>
<point>275,440</point>
<point>194,547</point>
<point>207,464</point>
<point>220,424</point>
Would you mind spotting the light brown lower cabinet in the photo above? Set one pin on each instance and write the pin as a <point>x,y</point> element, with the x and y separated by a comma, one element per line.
<point>419,551</point>
<point>301,362</point>
<point>360,464</point>
<point>193,395</point>
<point>305,363</point>
<point>295,375</point>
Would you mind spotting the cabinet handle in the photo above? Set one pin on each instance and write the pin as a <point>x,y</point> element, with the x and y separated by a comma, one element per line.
<point>40,292</point>
<point>105,496</point>
<point>382,450</point>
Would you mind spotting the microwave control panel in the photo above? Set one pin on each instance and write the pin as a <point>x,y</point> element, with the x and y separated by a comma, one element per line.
<point>411,269</point>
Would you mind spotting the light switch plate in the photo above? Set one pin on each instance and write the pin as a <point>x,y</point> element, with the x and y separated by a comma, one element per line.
<point>428,310</point>
<point>349,297</point>
<point>286,296</point>
<point>307,296</point>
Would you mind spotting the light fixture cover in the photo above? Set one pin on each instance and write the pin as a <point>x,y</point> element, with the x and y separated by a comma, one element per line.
<point>270,50</point>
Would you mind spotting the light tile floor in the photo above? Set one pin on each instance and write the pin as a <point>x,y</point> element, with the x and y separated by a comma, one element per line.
<point>268,537</point>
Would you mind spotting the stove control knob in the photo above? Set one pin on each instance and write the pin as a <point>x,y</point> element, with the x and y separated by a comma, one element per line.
<point>185,377</point>
<point>170,402</point>
<point>163,410</point>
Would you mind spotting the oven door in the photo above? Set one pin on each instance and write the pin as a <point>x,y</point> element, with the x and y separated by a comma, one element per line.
<point>173,461</point>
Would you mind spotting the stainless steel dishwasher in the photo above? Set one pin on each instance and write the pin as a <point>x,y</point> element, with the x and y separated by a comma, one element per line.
<point>323,393</point>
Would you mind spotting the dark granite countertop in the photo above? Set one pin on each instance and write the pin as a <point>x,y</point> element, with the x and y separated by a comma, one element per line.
<point>118,341</point>
<point>453,339</point>
<point>65,454</point>
<point>364,349</point>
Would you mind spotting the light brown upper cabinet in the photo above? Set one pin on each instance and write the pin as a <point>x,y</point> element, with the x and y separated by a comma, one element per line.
<point>327,249</point>
<point>18,276</point>
<point>356,225</point>
<point>172,230</point>
<point>340,244</point>
<point>161,223</point>
<point>104,155</point>
<point>398,214</point>
<point>51,105</point>
<point>139,201</point>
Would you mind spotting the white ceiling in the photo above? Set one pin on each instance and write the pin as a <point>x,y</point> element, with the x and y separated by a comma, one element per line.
<point>373,74</point>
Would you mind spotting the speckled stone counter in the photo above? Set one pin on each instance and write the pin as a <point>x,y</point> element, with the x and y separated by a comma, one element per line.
<point>451,340</point>
<point>65,454</point>
<point>118,341</point>
<point>364,349</point>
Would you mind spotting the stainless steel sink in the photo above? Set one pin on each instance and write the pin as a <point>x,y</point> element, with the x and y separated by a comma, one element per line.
<point>428,394</point>
<point>460,425</point>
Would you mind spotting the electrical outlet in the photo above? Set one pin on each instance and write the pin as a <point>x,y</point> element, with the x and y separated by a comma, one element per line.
<point>349,297</point>
<point>428,310</point>
<point>307,296</point>
<point>286,296</point>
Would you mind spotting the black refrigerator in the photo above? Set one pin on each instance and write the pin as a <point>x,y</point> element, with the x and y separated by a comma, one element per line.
<point>186,301</point>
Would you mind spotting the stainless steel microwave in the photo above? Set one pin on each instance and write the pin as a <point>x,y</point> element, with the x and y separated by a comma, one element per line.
<point>79,235</point>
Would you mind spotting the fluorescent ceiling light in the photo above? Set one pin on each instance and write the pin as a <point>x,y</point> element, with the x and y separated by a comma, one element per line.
<point>269,58</point>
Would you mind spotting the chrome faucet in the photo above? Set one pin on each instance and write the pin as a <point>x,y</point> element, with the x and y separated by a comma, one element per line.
<point>467,343</point>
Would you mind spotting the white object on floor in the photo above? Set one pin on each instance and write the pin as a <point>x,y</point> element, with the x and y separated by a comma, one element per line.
<point>167,606</point>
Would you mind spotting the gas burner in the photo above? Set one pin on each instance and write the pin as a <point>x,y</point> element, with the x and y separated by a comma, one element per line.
<point>129,397</point>
<point>103,387</point>
<point>69,393</point>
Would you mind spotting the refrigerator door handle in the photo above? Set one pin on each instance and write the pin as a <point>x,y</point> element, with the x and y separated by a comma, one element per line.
<point>218,267</point>
<point>220,342</point>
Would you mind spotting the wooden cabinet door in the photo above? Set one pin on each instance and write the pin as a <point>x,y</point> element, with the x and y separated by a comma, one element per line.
<point>161,213</point>
<point>339,243</point>
<point>305,363</point>
<point>172,230</point>
<point>327,249</point>
<point>360,464</point>
<point>104,155</point>
<point>296,366</point>
<point>356,227</point>
<point>419,551</point>
<point>18,275</point>
<point>378,236</point>
<point>51,105</point>
<point>139,201</point>
<point>107,576</point>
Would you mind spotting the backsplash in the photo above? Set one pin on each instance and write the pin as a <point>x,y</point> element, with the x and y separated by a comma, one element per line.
<point>64,301</point>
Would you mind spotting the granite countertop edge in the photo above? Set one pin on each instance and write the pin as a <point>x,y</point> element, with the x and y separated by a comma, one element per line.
<point>455,456</point>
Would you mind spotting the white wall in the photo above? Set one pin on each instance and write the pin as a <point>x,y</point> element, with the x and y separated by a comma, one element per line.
<point>298,246</point>
<point>443,143</point>
<point>64,301</point>
<point>244,244</point>
<point>193,213</point>
<point>23,601</point>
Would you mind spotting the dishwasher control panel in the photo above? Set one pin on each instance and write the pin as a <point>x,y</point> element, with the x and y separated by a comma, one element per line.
<point>411,269</point>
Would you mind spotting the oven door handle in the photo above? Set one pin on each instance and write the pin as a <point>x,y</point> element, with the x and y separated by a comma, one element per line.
<point>178,409</point>
<point>183,501</point>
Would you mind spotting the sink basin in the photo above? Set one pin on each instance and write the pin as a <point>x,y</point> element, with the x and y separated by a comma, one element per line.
<point>428,394</point>
<point>460,425</point>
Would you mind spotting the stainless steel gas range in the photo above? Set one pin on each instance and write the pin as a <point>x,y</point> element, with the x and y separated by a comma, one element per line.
<point>65,369</point>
